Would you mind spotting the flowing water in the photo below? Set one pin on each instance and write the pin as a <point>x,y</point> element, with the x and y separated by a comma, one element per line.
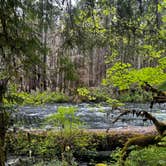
<point>92,115</point>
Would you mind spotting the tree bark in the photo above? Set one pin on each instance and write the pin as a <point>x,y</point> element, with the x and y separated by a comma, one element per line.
<point>2,139</point>
<point>3,122</point>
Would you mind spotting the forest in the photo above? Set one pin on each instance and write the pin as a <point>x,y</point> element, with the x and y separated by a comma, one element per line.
<point>82,82</point>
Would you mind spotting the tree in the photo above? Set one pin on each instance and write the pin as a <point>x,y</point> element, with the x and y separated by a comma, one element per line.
<point>128,31</point>
<point>132,31</point>
<point>48,13</point>
<point>20,47</point>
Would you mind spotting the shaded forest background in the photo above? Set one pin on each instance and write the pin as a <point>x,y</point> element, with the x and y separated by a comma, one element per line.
<point>85,38</point>
<point>64,45</point>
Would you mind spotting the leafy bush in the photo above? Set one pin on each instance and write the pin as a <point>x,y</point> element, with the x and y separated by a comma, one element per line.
<point>50,144</point>
<point>101,94</point>
<point>138,96</point>
<point>64,119</point>
<point>123,76</point>
<point>162,86</point>
<point>67,123</point>
<point>35,97</point>
<point>86,94</point>
<point>151,156</point>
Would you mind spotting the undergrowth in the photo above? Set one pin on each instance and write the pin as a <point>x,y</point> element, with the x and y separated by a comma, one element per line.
<point>151,156</point>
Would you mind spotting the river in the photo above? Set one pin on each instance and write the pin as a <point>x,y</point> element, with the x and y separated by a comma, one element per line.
<point>94,116</point>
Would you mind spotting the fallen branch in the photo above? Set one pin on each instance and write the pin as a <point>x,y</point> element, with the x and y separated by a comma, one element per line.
<point>160,126</point>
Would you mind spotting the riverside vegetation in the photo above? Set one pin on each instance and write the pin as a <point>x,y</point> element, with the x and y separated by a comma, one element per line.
<point>69,145</point>
<point>82,146</point>
<point>70,46</point>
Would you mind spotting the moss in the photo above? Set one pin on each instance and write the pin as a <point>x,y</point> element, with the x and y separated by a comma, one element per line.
<point>84,145</point>
<point>141,141</point>
<point>48,143</point>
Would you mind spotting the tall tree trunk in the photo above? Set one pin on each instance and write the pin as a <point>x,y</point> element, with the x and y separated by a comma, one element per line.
<point>45,62</point>
<point>3,122</point>
<point>2,139</point>
<point>44,32</point>
<point>157,14</point>
<point>91,73</point>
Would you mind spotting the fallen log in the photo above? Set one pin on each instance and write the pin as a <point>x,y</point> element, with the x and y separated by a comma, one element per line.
<point>160,126</point>
<point>142,141</point>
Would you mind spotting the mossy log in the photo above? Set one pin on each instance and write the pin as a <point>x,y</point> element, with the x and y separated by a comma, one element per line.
<point>141,141</point>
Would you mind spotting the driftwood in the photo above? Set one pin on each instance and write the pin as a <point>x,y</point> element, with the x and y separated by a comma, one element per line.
<point>158,99</point>
<point>160,126</point>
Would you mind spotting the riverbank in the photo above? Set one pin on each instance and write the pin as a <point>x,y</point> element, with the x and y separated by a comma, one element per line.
<point>128,129</point>
<point>118,130</point>
<point>84,145</point>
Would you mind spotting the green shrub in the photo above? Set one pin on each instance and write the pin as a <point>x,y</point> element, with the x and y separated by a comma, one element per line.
<point>138,96</point>
<point>55,163</point>
<point>35,97</point>
<point>85,94</point>
<point>64,119</point>
<point>162,86</point>
<point>151,156</point>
